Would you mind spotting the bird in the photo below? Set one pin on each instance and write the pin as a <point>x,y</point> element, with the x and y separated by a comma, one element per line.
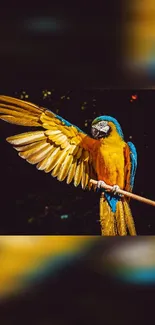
<point>66,152</point>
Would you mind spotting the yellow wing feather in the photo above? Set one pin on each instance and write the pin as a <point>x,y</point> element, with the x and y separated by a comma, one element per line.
<point>59,148</point>
<point>72,171</point>
<point>65,167</point>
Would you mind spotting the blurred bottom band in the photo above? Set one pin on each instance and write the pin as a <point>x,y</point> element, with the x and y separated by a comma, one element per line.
<point>26,260</point>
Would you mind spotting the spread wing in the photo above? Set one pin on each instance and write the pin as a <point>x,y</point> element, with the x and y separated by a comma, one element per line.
<point>130,165</point>
<point>60,148</point>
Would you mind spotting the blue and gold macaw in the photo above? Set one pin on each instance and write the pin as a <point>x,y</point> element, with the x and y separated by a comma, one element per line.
<point>65,151</point>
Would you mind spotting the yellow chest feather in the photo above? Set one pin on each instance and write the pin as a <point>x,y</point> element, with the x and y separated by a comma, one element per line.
<point>110,163</point>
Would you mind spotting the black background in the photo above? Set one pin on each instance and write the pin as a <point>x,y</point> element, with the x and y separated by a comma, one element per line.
<point>74,44</point>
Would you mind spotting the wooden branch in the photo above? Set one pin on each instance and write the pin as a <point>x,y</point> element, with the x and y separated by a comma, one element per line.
<point>128,194</point>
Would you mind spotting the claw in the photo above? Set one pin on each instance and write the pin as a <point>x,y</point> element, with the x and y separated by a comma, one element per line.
<point>115,190</point>
<point>100,183</point>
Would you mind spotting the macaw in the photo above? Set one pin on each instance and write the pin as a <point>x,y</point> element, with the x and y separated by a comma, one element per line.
<point>65,151</point>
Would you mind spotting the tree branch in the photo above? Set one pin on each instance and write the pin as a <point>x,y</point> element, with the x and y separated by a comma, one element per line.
<point>128,194</point>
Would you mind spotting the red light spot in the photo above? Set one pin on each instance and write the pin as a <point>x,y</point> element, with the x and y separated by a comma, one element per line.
<point>134,97</point>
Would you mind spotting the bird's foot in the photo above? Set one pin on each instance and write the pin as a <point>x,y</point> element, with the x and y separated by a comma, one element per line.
<point>115,190</point>
<point>100,184</point>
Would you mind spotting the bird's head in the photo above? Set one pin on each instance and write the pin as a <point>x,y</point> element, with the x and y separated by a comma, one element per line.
<point>103,126</point>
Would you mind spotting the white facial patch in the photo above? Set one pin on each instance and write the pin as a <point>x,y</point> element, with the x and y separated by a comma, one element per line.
<point>102,126</point>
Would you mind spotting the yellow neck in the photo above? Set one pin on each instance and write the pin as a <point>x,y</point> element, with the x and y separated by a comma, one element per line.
<point>113,138</point>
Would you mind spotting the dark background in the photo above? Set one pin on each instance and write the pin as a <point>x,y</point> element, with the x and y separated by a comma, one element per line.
<point>33,202</point>
<point>61,43</point>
